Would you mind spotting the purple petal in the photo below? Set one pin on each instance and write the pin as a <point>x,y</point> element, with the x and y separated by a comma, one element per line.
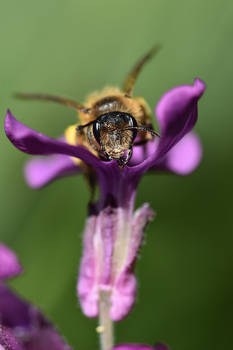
<point>8,340</point>
<point>39,172</point>
<point>32,142</point>
<point>142,152</point>
<point>29,326</point>
<point>177,113</point>
<point>87,287</point>
<point>9,264</point>
<point>45,338</point>
<point>160,346</point>
<point>14,312</point>
<point>105,265</point>
<point>184,157</point>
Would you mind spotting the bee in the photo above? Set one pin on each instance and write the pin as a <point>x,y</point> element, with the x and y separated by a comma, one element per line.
<point>110,121</point>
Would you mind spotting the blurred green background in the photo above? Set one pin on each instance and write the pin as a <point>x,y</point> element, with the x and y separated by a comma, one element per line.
<point>71,48</point>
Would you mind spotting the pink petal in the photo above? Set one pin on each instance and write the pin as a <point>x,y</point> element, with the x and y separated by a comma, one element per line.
<point>185,156</point>
<point>39,172</point>
<point>9,264</point>
<point>105,266</point>
<point>125,285</point>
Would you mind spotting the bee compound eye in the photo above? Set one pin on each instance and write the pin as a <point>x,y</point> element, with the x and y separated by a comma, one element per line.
<point>133,123</point>
<point>96,131</point>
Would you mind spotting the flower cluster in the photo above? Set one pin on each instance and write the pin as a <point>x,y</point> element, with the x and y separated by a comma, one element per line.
<point>114,232</point>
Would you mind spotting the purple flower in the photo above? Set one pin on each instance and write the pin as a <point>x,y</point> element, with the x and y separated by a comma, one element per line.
<point>22,326</point>
<point>113,232</point>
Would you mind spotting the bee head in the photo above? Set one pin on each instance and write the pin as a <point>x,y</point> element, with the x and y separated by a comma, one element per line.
<point>114,133</point>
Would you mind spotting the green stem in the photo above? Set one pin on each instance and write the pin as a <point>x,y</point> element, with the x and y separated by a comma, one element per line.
<point>105,328</point>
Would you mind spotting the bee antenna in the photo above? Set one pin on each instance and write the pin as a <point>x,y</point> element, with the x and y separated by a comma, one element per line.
<point>45,97</point>
<point>141,128</point>
<point>132,76</point>
<point>80,127</point>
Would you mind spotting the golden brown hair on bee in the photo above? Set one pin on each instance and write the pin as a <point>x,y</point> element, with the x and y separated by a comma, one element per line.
<point>112,120</point>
